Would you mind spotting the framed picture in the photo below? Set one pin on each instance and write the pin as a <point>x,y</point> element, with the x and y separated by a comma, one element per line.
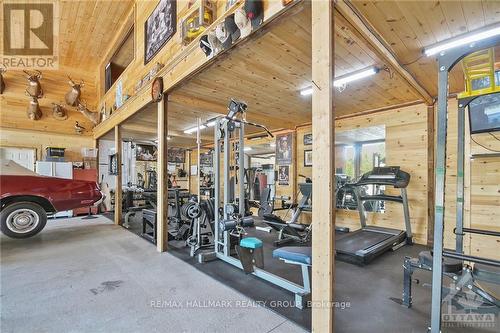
<point>176,155</point>
<point>112,164</point>
<point>308,158</point>
<point>283,175</point>
<point>284,146</point>
<point>146,153</point>
<point>308,139</point>
<point>206,159</point>
<point>159,28</point>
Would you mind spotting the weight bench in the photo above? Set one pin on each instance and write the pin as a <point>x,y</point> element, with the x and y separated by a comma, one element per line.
<point>287,232</point>
<point>302,256</point>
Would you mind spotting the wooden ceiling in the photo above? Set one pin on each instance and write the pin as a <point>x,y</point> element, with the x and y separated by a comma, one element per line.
<point>87,28</point>
<point>408,26</point>
<point>268,73</point>
<point>269,70</point>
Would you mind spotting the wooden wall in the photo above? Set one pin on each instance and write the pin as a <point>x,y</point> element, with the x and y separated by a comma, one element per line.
<point>482,189</point>
<point>40,141</point>
<point>17,130</point>
<point>14,102</point>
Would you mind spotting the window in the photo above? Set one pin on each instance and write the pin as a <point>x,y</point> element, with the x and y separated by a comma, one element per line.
<point>120,60</point>
<point>372,155</point>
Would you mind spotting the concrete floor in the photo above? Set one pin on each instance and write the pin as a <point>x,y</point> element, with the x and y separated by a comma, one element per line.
<point>91,276</point>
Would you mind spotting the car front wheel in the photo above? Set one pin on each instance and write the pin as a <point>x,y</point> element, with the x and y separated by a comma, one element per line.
<point>22,219</point>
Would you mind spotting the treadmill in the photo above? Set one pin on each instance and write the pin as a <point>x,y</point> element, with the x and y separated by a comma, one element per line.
<point>365,244</point>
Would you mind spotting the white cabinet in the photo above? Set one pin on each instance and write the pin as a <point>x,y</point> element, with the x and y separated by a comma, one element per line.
<point>59,170</point>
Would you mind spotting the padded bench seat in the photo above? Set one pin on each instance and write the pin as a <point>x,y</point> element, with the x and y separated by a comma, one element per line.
<point>298,254</point>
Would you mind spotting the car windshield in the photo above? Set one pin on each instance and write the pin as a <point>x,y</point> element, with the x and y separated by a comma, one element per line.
<point>9,167</point>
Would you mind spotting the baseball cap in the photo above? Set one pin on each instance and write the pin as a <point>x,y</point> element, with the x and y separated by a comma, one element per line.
<point>223,36</point>
<point>255,12</point>
<point>231,28</point>
<point>205,45</point>
<point>241,20</point>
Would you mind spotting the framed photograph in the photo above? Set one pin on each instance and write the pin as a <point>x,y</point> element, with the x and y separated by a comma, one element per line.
<point>159,28</point>
<point>206,159</point>
<point>112,164</point>
<point>283,175</point>
<point>146,153</point>
<point>284,146</point>
<point>308,158</point>
<point>308,139</point>
<point>176,155</point>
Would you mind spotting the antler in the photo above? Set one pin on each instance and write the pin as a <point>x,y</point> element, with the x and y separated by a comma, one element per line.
<point>82,83</point>
<point>39,74</point>
<point>71,80</point>
<point>27,73</point>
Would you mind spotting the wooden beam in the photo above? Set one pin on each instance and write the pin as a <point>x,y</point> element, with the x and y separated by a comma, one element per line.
<point>162,170</point>
<point>118,186</point>
<point>364,28</point>
<point>323,174</point>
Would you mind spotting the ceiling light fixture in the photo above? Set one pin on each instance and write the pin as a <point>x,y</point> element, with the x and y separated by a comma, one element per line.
<point>464,40</point>
<point>194,129</point>
<point>247,148</point>
<point>344,79</point>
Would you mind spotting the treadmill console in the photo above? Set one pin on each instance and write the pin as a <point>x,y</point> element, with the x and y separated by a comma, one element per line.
<point>390,175</point>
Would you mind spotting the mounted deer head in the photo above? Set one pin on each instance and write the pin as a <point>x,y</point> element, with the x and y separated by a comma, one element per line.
<point>34,86</point>
<point>73,96</point>
<point>59,112</point>
<point>2,82</point>
<point>92,116</point>
<point>34,112</point>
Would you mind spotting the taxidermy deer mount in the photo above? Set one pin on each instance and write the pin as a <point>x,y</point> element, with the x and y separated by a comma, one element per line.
<point>34,86</point>
<point>58,112</point>
<point>2,82</point>
<point>73,96</point>
<point>34,112</point>
<point>92,116</point>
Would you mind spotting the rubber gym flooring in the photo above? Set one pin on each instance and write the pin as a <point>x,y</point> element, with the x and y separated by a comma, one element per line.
<point>364,294</point>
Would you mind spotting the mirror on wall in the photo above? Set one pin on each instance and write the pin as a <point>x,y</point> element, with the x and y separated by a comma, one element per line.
<point>357,152</point>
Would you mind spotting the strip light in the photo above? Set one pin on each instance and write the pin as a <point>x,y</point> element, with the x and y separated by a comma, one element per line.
<point>342,80</point>
<point>194,129</point>
<point>469,39</point>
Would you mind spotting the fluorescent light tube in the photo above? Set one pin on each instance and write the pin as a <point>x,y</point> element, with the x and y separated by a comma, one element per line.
<point>469,39</point>
<point>338,82</point>
<point>194,129</point>
<point>247,148</point>
<point>307,91</point>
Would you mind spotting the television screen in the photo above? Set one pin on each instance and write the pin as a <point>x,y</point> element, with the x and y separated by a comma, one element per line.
<point>484,114</point>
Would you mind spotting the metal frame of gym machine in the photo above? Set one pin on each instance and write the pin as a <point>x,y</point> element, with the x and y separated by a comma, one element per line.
<point>446,61</point>
<point>222,240</point>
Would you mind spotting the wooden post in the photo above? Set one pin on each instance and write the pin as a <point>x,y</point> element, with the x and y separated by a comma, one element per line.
<point>118,182</point>
<point>430,175</point>
<point>323,175</point>
<point>162,183</point>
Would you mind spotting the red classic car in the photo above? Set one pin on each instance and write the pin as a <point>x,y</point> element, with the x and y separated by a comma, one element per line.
<point>26,198</point>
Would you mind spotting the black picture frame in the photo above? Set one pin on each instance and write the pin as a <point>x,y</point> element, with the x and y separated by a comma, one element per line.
<point>284,175</point>
<point>284,149</point>
<point>308,139</point>
<point>113,165</point>
<point>166,11</point>
<point>146,153</point>
<point>308,159</point>
<point>176,155</point>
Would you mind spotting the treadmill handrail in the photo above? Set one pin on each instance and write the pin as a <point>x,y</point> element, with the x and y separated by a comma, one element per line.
<point>381,197</point>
